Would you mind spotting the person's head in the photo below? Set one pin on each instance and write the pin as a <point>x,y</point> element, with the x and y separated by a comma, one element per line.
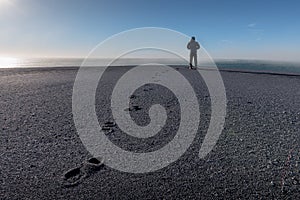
<point>193,38</point>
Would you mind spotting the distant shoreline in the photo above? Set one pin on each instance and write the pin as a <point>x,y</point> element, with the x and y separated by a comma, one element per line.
<point>221,68</point>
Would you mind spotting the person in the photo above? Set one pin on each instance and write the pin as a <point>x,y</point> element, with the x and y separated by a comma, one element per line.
<point>193,45</point>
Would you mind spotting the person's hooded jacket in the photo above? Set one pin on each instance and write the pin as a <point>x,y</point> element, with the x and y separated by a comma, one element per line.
<point>193,46</point>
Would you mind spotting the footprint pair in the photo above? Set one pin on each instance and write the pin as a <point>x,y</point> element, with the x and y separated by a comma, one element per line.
<point>76,175</point>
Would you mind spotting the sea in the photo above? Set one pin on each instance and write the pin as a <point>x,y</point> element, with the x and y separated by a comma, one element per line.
<point>259,66</point>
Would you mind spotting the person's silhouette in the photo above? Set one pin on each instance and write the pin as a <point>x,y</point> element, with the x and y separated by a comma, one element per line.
<point>193,46</point>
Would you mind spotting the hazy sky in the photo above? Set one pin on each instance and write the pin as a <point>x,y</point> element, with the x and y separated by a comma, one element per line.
<point>257,29</point>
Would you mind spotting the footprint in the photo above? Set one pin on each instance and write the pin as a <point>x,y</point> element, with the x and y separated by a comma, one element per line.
<point>133,108</point>
<point>73,176</point>
<point>76,175</point>
<point>133,96</point>
<point>109,124</point>
<point>108,127</point>
<point>104,128</point>
<point>92,165</point>
<point>137,108</point>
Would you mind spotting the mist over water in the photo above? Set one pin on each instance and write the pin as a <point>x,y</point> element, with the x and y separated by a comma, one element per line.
<point>76,62</point>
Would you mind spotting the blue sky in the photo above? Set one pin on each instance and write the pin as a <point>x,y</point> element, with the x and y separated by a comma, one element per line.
<point>256,29</point>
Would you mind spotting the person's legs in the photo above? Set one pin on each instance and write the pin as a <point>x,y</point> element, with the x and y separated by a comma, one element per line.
<point>193,57</point>
<point>191,60</point>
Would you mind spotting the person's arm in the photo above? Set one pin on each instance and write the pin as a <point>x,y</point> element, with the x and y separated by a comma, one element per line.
<point>188,46</point>
<point>198,46</point>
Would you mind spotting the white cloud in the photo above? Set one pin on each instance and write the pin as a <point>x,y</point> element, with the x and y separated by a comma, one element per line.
<point>252,25</point>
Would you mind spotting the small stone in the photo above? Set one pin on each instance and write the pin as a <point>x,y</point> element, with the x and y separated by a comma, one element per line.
<point>251,151</point>
<point>295,181</point>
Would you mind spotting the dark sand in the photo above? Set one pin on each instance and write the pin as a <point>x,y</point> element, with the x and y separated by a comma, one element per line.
<point>257,155</point>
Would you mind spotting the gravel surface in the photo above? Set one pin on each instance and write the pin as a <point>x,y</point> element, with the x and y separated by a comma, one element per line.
<point>257,155</point>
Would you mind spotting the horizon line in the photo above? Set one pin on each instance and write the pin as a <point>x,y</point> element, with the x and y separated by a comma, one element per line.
<point>153,58</point>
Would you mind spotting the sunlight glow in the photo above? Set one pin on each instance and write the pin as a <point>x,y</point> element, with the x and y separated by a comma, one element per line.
<point>8,62</point>
<point>6,3</point>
